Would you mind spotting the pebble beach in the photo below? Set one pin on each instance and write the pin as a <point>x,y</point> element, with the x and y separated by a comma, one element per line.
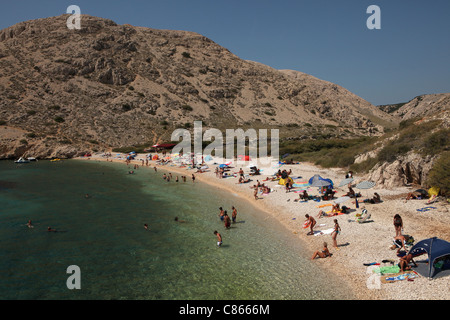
<point>358,244</point>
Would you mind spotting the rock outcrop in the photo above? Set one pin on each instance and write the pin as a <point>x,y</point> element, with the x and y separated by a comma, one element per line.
<point>410,169</point>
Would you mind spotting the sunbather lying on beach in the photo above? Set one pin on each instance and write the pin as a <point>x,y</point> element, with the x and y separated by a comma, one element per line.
<point>414,195</point>
<point>324,214</point>
<point>241,180</point>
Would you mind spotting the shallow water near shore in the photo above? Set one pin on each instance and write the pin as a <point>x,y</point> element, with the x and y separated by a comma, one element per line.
<point>104,235</point>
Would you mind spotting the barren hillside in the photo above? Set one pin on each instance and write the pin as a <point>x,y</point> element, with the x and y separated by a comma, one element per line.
<point>68,91</point>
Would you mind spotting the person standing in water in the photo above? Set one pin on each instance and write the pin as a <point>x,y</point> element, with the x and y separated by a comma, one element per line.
<point>226,220</point>
<point>233,214</point>
<point>219,239</point>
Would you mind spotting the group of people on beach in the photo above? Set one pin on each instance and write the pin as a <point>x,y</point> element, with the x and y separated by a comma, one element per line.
<point>311,222</point>
<point>260,188</point>
<point>335,210</point>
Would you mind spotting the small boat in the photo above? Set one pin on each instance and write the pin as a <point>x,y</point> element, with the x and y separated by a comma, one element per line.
<point>22,160</point>
<point>31,159</point>
<point>55,160</point>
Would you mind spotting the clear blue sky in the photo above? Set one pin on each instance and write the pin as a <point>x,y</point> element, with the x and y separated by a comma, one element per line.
<point>328,39</point>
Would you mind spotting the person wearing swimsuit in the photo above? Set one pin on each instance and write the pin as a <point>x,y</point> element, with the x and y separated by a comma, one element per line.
<point>322,254</point>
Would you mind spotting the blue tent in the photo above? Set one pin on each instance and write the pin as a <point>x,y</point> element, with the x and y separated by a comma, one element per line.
<point>435,248</point>
<point>318,178</point>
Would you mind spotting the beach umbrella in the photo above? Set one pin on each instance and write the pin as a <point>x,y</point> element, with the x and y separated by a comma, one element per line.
<point>341,199</point>
<point>223,166</point>
<point>365,185</point>
<point>345,182</point>
<point>317,181</point>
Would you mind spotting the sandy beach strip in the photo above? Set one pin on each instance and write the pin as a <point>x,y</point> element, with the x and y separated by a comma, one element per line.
<point>358,244</point>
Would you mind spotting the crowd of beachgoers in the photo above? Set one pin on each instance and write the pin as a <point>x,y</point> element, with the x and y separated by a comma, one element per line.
<point>363,235</point>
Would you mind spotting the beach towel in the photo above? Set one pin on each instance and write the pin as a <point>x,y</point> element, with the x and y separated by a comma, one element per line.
<point>426,209</point>
<point>387,270</point>
<point>407,275</point>
<point>301,185</point>
<point>325,205</point>
<point>326,231</point>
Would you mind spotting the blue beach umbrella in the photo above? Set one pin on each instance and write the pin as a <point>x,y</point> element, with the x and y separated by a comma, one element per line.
<point>318,181</point>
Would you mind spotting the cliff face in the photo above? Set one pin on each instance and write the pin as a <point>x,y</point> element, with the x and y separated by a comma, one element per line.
<point>66,91</point>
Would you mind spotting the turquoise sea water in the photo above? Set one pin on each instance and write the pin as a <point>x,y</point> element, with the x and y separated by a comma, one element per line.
<point>104,235</point>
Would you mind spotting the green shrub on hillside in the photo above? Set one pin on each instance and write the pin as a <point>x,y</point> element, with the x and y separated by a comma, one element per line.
<point>437,142</point>
<point>439,175</point>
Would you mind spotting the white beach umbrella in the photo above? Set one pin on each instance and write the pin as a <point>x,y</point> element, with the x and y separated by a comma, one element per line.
<point>365,185</point>
<point>341,199</point>
<point>345,182</point>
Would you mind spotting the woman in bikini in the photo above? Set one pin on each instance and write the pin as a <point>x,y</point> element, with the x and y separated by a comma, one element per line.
<point>335,232</point>
<point>322,254</point>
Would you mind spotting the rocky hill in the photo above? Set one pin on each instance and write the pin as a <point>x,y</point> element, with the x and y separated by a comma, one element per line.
<point>64,91</point>
<point>421,106</point>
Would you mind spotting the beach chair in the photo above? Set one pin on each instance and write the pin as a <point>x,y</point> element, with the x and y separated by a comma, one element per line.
<point>364,216</point>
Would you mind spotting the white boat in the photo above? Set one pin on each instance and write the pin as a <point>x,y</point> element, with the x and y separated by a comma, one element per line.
<point>22,160</point>
<point>31,159</point>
